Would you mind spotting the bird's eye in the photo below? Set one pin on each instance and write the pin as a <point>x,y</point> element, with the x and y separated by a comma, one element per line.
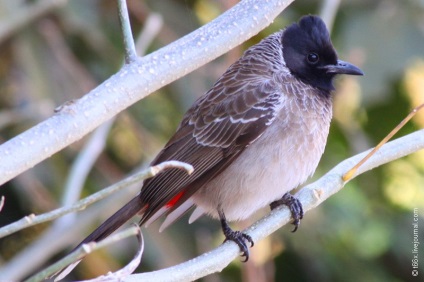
<point>313,58</point>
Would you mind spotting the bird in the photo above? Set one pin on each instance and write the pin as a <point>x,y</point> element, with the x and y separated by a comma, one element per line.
<point>256,135</point>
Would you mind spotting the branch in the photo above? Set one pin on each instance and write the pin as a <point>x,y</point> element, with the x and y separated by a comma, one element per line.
<point>83,164</point>
<point>1,202</point>
<point>86,249</point>
<point>27,15</point>
<point>82,204</point>
<point>328,12</point>
<point>64,229</point>
<point>310,196</point>
<point>94,146</point>
<point>54,238</point>
<point>124,21</point>
<point>134,82</point>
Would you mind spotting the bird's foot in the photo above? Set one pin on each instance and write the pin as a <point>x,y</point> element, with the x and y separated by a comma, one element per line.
<point>237,237</point>
<point>294,206</point>
<point>240,239</point>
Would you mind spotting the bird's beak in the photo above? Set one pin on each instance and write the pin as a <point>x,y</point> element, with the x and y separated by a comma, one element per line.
<point>343,67</point>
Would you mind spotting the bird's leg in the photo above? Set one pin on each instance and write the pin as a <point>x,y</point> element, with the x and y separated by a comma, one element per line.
<point>294,206</point>
<point>237,237</point>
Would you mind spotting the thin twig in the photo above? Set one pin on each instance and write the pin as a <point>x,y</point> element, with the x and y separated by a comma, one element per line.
<point>1,203</point>
<point>82,204</point>
<point>124,21</point>
<point>352,171</point>
<point>152,26</point>
<point>84,162</point>
<point>83,251</point>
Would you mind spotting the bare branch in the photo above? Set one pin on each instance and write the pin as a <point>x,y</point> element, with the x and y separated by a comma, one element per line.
<point>96,143</point>
<point>124,21</point>
<point>135,81</point>
<point>153,24</point>
<point>82,204</point>
<point>328,12</point>
<point>310,197</point>
<point>86,249</point>
<point>84,162</point>
<point>1,202</point>
<point>61,231</point>
<point>54,238</point>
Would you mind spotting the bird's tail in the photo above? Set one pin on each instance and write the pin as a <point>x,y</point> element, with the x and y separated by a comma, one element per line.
<point>105,229</point>
<point>115,221</point>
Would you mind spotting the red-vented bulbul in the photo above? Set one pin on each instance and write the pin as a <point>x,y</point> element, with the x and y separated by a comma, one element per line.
<point>257,134</point>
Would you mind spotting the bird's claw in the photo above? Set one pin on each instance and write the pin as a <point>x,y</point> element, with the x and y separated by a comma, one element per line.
<point>240,239</point>
<point>237,237</point>
<point>294,206</point>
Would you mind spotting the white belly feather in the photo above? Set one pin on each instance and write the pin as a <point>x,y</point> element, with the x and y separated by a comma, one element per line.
<point>265,171</point>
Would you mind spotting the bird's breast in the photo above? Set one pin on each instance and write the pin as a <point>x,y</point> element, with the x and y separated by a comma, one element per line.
<point>284,156</point>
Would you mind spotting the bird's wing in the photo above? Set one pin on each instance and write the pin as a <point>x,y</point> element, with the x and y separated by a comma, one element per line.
<point>213,133</point>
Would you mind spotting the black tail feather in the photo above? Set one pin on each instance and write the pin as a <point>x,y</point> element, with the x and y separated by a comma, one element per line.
<point>105,229</point>
<point>115,221</point>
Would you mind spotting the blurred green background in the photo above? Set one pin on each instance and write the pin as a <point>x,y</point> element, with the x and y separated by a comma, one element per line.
<point>363,233</point>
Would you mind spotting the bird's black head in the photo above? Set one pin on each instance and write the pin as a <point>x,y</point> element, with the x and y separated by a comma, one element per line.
<point>310,55</point>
